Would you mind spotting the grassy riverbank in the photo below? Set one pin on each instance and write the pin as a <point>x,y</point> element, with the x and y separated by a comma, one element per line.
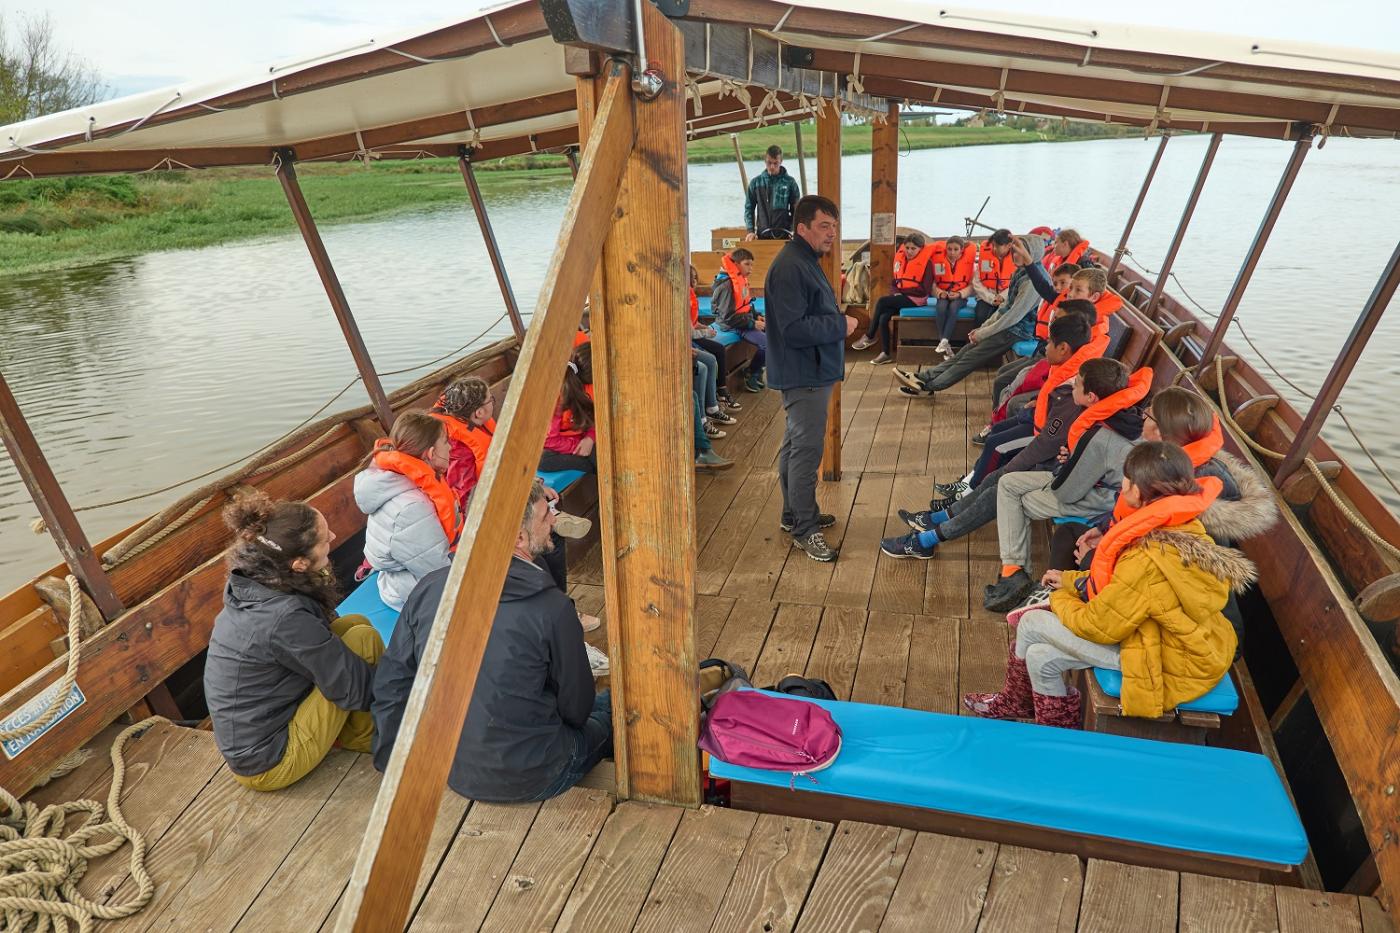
<point>61,222</point>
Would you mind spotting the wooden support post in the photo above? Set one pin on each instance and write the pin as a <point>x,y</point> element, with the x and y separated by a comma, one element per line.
<point>572,155</point>
<point>381,885</point>
<point>287,175</point>
<point>1180,236</point>
<point>488,236</point>
<point>1137,205</point>
<point>884,187</point>
<point>1256,249</point>
<point>1341,370</point>
<point>739,158</point>
<point>646,454</point>
<point>62,524</point>
<point>829,186</point>
<point>801,156</point>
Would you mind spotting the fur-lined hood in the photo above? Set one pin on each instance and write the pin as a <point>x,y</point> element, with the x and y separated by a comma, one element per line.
<point>1252,514</point>
<point>1200,552</point>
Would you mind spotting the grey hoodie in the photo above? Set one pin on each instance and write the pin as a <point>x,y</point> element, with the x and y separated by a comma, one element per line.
<point>1021,298</point>
<point>404,540</point>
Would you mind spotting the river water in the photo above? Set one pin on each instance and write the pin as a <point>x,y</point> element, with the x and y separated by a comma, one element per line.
<point>141,372</point>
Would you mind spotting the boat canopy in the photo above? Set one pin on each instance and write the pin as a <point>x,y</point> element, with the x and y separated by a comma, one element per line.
<point>497,82</point>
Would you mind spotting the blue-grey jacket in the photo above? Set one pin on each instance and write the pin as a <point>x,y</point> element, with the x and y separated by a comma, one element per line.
<point>806,328</point>
<point>404,539</point>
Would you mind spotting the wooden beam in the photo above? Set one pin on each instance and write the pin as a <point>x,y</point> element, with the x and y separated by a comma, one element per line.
<point>642,373</point>
<point>884,187</point>
<point>381,885</point>
<point>1137,205</point>
<point>829,186</point>
<point>591,24</point>
<point>33,468</point>
<point>287,175</point>
<point>488,237</point>
<point>1180,236</point>
<point>801,155</point>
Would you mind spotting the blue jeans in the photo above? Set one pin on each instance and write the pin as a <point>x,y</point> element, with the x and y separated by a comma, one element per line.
<point>947,309</point>
<point>759,339</point>
<point>702,441</point>
<point>592,744</point>
<point>707,378</point>
<point>991,457</point>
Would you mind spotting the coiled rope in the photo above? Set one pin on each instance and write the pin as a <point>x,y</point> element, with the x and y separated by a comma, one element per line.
<point>70,673</point>
<point>40,867</point>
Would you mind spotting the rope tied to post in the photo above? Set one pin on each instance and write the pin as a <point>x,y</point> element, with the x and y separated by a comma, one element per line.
<point>40,866</point>
<point>65,683</point>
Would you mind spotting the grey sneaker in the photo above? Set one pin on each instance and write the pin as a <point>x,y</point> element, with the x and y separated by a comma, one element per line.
<point>955,490</point>
<point>597,661</point>
<point>864,343</point>
<point>816,547</point>
<point>882,358</point>
<point>708,460</point>
<point>824,520</point>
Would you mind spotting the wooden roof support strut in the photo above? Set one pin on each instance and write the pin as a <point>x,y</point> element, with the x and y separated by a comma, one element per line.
<point>488,236</point>
<point>53,505</point>
<point>884,188</point>
<point>1137,206</point>
<point>801,155</point>
<point>1256,249</point>
<point>381,886</point>
<point>829,185</point>
<point>1341,369</point>
<point>287,175</point>
<point>1180,236</point>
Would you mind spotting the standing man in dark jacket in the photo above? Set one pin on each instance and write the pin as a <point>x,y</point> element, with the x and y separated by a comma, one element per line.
<point>534,727</point>
<point>773,194</point>
<point>806,357</point>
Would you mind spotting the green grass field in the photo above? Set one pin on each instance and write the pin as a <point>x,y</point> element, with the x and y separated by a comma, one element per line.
<point>61,222</point>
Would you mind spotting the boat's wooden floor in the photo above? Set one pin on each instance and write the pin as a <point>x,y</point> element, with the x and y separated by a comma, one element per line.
<point>226,858</point>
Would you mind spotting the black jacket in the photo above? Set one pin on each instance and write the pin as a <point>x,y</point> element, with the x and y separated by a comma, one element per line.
<point>1043,452</point>
<point>534,690</point>
<point>806,329</point>
<point>267,650</point>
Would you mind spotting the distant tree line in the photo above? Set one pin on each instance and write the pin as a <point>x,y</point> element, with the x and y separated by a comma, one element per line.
<point>38,76</point>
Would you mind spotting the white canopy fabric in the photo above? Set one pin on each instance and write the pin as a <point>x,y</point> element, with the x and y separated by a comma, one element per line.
<point>497,81</point>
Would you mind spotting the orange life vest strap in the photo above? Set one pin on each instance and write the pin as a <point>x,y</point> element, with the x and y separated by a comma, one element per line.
<point>1203,448</point>
<point>1139,383</point>
<point>425,478</point>
<point>1066,371</point>
<point>1132,525</point>
<point>743,302</point>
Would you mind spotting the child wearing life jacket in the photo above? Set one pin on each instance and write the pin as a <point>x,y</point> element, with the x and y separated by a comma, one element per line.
<point>953,274</point>
<point>1086,481</point>
<point>710,353</point>
<point>413,520</point>
<point>1149,605</point>
<point>569,445</point>
<point>995,266</point>
<point>1068,246</point>
<point>285,677</point>
<point>734,312</point>
<point>913,283</point>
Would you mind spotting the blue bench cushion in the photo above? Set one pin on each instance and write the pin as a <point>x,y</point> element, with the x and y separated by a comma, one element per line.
<point>1221,699</point>
<point>706,308</point>
<point>1025,347</point>
<point>918,311</point>
<point>1188,797</point>
<point>365,601</point>
<point>726,338</point>
<point>559,480</point>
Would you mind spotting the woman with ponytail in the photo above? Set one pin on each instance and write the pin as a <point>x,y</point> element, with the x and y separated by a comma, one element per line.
<point>413,517</point>
<point>1149,605</point>
<point>573,429</point>
<point>285,678</point>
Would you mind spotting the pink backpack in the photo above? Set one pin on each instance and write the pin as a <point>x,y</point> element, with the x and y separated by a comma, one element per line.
<point>755,730</point>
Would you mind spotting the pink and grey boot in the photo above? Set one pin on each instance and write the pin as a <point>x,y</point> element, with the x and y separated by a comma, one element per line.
<point>1058,711</point>
<point>1015,699</point>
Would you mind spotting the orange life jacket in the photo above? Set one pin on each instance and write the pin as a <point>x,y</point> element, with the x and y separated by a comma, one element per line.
<point>1203,448</point>
<point>1104,308</point>
<point>1045,314</point>
<point>694,312</point>
<point>743,301</point>
<point>1066,371</point>
<point>994,271</point>
<point>1130,525</point>
<point>1107,305</point>
<point>425,478</point>
<point>953,276</point>
<point>909,273</point>
<point>1053,260</point>
<point>477,439</point>
<point>581,335</point>
<point>1139,383</point>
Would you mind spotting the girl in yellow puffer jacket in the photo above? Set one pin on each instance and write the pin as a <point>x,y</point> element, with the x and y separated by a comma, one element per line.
<point>1149,605</point>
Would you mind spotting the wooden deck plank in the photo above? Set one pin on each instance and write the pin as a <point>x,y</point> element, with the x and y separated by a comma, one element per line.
<point>621,868</point>
<point>836,649</point>
<point>932,679</point>
<point>1032,890</point>
<point>884,659</point>
<point>474,867</point>
<point>741,640</point>
<point>854,572</point>
<point>549,862</point>
<point>1122,898</point>
<point>899,584</point>
<point>717,500</point>
<point>916,439</point>
<point>943,887</point>
<point>982,649</point>
<point>91,778</point>
<point>884,449</point>
<point>764,550</point>
<point>805,580</point>
<point>221,852</point>
<point>1374,919</point>
<point>1302,910</point>
<point>946,589</point>
<point>754,420</point>
<point>711,612</point>
<point>857,878</point>
<point>860,436</point>
<point>773,877</point>
<point>788,645</point>
<point>1222,905</point>
<point>717,558</point>
<point>697,871</point>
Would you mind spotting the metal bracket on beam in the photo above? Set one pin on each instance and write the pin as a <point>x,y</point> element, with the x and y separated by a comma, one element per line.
<point>796,56</point>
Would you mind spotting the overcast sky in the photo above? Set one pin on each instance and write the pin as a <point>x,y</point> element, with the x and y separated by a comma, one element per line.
<point>143,44</point>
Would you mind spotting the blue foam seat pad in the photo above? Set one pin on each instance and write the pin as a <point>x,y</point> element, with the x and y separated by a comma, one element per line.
<point>966,314</point>
<point>364,600</point>
<point>726,338</point>
<point>1193,798</point>
<point>1025,347</point>
<point>559,480</point>
<point>1222,698</point>
<point>706,309</point>
<point>919,311</point>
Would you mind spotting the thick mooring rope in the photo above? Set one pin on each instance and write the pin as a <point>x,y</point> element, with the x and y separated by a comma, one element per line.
<point>70,674</point>
<point>40,866</point>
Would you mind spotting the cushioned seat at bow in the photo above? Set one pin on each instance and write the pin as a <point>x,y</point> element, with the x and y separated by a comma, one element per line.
<point>559,480</point>
<point>1193,798</point>
<point>364,600</point>
<point>1221,699</point>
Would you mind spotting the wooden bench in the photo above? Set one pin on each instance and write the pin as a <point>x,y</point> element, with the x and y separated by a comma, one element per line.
<point>1103,712</point>
<point>707,264</point>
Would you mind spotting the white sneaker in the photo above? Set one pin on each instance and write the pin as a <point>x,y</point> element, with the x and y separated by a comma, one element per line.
<point>882,358</point>
<point>597,661</point>
<point>589,623</point>
<point>945,348</point>
<point>863,343</point>
<point>572,526</point>
<point>714,432</point>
